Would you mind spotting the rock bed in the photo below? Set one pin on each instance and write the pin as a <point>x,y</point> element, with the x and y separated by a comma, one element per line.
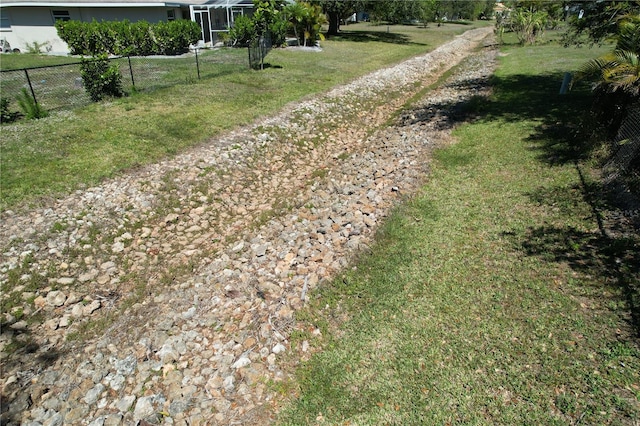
<point>200,262</point>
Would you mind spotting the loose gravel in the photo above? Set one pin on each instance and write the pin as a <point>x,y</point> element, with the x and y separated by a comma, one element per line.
<point>168,295</point>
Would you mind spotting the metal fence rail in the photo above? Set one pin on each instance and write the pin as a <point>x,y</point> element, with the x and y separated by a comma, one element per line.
<point>60,87</point>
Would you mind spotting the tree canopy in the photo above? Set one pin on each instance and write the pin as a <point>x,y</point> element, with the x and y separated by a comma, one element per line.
<point>598,21</point>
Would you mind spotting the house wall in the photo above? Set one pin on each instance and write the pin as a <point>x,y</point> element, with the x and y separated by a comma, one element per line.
<point>36,24</point>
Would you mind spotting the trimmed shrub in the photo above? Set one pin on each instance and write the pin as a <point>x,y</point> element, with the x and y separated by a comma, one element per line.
<point>101,79</point>
<point>126,38</point>
<point>174,37</point>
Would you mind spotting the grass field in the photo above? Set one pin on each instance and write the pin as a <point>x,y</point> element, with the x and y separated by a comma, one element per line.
<point>492,297</point>
<point>70,149</point>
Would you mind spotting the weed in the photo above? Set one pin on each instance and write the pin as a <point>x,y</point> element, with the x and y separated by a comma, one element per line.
<point>319,173</point>
<point>36,48</point>
<point>32,110</point>
<point>58,227</point>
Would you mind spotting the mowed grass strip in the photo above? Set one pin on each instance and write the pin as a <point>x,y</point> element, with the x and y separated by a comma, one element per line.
<point>68,150</point>
<point>491,297</point>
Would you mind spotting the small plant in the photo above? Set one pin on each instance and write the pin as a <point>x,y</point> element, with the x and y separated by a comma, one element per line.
<point>36,48</point>
<point>6,116</point>
<point>101,79</point>
<point>32,110</point>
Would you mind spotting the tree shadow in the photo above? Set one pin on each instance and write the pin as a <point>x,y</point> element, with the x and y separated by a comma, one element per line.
<point>563,135</point>
<point>611,254</point>
<point>374,36</point>
<point>30,358</point>
<point>612,261</point>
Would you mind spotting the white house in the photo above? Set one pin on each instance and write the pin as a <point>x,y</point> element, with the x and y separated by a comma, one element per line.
<point>25,23</point>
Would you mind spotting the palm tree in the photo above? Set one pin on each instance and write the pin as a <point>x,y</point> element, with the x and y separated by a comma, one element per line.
<point>296,13</point>
<point>528,24</point>
<point>619,70</point>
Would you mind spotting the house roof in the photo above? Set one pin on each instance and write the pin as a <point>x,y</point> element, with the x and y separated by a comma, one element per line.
<point>124,3</point>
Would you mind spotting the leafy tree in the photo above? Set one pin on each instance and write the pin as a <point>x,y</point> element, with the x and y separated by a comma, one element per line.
<point>336,10</point>
<point>463,9</point>
<point>599,20</point>
<point>243,31</point>
<point>395,11</point>
<point>268,20</point>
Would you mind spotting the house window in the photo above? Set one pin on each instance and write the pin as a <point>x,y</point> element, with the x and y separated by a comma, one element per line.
<point>61,15</point>
<point>171,15</point>
<point>5,22</point>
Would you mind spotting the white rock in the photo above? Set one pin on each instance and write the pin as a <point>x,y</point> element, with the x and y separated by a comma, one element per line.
<point>125,403</point>
<point>20,325</point>
<point>91,307</point>
<point>243,361</point>
<point>117,247</point>
<point>65,321</point>
<point>66,280</point>
<point>279,348</point>
<point>56,298</point>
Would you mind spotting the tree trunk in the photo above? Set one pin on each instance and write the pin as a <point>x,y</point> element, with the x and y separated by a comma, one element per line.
<point>334,23</point>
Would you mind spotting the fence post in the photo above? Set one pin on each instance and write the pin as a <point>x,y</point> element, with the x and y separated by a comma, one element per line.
<point>197,64</point>
<point>33,94</point>
<point>133,83</point>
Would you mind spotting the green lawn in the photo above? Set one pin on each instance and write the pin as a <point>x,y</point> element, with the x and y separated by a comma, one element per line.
<point>492,297</point>
<point>69,149</point>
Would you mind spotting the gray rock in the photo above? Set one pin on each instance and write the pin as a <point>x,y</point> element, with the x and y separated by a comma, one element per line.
<point>93,394</point>
<point>55,420</point>
<point>278,348</point>
<point>20,325</point>
<point>178,407</point>
<point>125,403</point>
<point>91,307</point>
<point>113,420</point>
<point>76,414</point>
<point>98,421</point>
<point>144,407</point>
<point>126,366</point>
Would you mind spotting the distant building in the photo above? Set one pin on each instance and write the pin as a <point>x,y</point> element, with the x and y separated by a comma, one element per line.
<point>30,23</point>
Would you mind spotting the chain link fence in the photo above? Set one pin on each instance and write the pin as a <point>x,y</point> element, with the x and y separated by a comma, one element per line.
<point>624,164</point>
<point>258,49</point>
<point>60,87</point>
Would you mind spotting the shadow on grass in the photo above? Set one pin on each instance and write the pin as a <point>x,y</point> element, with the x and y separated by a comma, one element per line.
<point>374,36</point>
<point>614,261</point>
<point>610,255</point>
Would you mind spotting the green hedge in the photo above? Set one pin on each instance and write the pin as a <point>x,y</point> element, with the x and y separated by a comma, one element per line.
<point>128,38</point>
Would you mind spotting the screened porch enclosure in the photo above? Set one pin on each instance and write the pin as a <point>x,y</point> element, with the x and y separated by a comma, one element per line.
<point>216,16</point>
